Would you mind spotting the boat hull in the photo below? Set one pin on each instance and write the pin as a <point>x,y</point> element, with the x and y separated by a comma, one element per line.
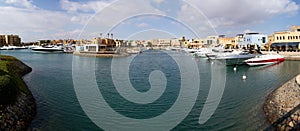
<point>48,50</point>
<point>264,61</point>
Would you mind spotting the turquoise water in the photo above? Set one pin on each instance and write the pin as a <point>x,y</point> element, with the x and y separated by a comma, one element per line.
<point>58,108</point>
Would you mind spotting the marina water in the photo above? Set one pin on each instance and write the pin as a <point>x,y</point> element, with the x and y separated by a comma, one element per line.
<point>240,108</point>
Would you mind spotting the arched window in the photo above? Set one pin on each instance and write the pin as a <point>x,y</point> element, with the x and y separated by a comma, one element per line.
<point>277,38</point>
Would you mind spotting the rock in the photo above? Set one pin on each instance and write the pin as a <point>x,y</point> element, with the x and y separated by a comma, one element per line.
<point>291,124</point>
<point>295,118</point>
<point>282,128</point>
<point>288,128</point>
<point>298,80</point>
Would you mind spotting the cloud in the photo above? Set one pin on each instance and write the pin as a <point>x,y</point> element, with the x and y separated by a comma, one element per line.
<point>249,31</point>
<point>142,25</point>
<point>159,1</point>
<point>117,13</point>
<point>237,12</point>
<point>25,21</point>
<point>31,19</point>
<point>90,6</point>
<point>20,3</point>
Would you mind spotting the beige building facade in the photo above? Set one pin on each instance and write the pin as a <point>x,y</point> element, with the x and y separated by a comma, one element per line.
<point>12,40</point>
<point>285,40</point>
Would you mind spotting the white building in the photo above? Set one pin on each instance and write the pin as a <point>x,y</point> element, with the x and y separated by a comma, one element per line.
<point>251,39</point>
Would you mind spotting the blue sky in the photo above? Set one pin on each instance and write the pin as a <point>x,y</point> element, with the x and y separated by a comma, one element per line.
<point>147,19</point>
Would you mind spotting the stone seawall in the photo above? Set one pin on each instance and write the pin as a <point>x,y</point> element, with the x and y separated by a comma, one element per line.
<point>282,106</point>
<point>17,114</point>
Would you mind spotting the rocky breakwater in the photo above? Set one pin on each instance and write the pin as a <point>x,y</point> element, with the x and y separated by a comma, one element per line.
<point>17,105</point>
<point>282,106</point>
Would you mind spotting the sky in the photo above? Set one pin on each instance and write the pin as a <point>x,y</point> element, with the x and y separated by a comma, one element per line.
<point>34,20</point>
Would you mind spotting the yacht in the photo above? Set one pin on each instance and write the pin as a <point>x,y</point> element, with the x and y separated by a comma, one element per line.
<point>6,48</point>
<point>202,52</point>
<point>51,49</point>
<point>236,57</point>
<point>265,60</point>
<point>13,47</point>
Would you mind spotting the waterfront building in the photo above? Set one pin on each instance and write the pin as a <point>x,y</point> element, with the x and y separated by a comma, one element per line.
<point>13,40</point>
<point>285,40</point>
<point>212,40</point>
<point>253,40</point>
<point>96,40</point>
<point>167,42</point>
<point>239,38</point>
<point>98,45</point>
<point>196,43</point>
<point>230,42</point>
<point>2,40</point>
<point>175,42</point>
<point>94,47</point>
<point>44,42</point>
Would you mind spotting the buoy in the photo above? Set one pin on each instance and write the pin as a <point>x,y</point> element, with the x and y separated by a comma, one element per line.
<point>244,77</point>
<point>234,68</point>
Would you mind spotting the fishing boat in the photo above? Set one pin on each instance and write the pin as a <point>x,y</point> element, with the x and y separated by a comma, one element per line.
<point>265,60</point>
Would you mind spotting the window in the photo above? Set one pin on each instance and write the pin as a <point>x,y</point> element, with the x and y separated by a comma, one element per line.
<point>280,38</point>
<point>296,37</point>
<point>264,40</point>
<point>277,38</point>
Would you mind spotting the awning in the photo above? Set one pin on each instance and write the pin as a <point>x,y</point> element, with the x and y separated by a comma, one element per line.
<point>295,44</point>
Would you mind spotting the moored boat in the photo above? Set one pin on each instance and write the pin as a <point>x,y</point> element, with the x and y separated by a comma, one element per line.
<point>265,60</point>
<point>236,57</point>
<point>13,47</point>
<point>52,49</point>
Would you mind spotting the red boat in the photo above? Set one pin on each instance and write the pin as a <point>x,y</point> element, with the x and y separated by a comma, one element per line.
<point>264,60</point>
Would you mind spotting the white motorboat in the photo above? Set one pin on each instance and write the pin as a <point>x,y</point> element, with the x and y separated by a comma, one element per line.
<point>265,60</point>
<point>6,48</point>
<point>220,53</point>
<point>33,46</point>
<point>202,52</point>
<point>236,57</point>
<point>51,49</point>
<point>13,47</point>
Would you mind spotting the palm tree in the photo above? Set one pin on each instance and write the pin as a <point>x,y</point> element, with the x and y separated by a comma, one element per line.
<point>100,35</point>
<point>107,35</point>
<point>112,36</point>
